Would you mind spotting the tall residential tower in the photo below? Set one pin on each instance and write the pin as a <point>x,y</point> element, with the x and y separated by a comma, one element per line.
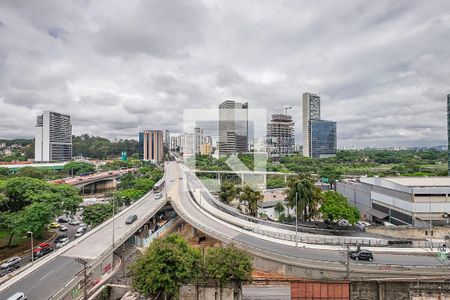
<point>319,136</point>
<point>311,111</point>
<point>53,137</point>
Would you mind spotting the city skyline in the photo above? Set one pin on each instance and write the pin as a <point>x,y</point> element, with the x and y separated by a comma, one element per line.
<point>390,91</point>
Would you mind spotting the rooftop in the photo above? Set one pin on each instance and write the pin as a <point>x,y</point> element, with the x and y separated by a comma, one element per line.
<point>421,181</point>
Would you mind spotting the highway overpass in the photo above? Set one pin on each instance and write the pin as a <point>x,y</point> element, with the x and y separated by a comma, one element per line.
<point>310,260</point>
<point>54,276</point>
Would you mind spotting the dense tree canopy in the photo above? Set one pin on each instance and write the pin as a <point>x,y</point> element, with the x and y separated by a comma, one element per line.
<point>305,196</point>
<point>97,213</point>
<point>336,207</point>
<point>101,148</point>
<point>165,266</point>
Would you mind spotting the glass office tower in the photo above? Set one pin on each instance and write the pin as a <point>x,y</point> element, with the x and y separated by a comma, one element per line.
<point>323,139</point>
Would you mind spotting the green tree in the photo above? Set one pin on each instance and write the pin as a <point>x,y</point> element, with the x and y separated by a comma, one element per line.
<point>34,218</point>
<point>331,173</point>
<point>302,193</point>
<point>144,184</point>
<point>228,265</point>
<point>279,208</point>
<point>336,207</point>
<point>126,197</point>
<point>97,213</point>
<point>252,197</point>
<point>78,167</point>
<point>228,192</point>
<point>4,171</point>
<point>69,198</point>
<point>165,266</point>
<point>22,191</point>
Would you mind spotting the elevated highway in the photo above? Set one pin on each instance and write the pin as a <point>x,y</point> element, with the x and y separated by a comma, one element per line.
<point>302,259</point>
<point>56,274</point>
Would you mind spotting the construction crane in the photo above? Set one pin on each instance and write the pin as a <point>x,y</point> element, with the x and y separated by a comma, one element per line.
<point>286,109</point>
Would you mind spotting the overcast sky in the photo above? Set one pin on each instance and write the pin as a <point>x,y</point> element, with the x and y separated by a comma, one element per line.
<point>382,68</point>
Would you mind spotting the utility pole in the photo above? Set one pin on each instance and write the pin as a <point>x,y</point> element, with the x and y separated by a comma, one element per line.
<point>30,235</point>
<point>346,260</point>
<point>296,220</point>
<point>85,276</point>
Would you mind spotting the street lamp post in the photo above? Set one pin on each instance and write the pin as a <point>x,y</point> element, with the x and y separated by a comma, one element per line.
<point>296,220</point>
<point>30,234</point>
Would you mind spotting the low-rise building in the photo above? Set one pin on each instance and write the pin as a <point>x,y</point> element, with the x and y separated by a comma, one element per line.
<point>416,201</point>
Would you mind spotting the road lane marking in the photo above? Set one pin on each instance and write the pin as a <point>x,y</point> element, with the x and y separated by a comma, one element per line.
<point>46,275</point>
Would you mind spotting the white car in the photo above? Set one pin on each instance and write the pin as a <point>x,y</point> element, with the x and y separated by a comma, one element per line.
<point>363,224</point>
<point>63,228</point>
<point>158,196</point>
<point>74,222</point>
<point>343,222</point>
<point>18,296</point>
<point>62,242</point>
<point>80,232</point>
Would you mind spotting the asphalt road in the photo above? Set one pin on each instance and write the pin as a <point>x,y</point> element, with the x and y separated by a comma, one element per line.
<point>291,252</point>
<point>46,280</point>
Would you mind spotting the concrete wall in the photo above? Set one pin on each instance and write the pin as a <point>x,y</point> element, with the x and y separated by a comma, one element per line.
<point>439,232</point>
<point>399,290</point>
<point>189,292</point>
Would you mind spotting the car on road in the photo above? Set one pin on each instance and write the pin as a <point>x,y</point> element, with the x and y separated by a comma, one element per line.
<point>59,237</point>
<point>6,271</point>
<point>54,225</point>
<point>131,219</point>
<point>361,255</point>
<point>18,296</point>
<point>80,232</point>
<point>171,180</point>
<point>41,250</point>
<point>63,228</point>
<point>74,222</point>
<point>62,242</point>
<point>13,262</point>
<point>84,226</point>
<point>63,220</point>
<point>158,196</point>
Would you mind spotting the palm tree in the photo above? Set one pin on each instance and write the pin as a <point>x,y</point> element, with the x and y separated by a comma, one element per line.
<point>303,194</point>
<point>252,197</point>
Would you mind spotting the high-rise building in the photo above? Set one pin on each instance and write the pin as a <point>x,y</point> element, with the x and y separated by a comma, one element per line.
<point>448,131</point>
<point>53,137</point>
<point>167,139</point>
<point>188,144</point>
<point>311,111</point>
<point>151,145</point>
<point>205,149</point>
<point>233,128</point>
<point>319,136</point>
<point>323,139</point>
<point>198,139</point>
<point>207,139</point>
<point>280,139</point>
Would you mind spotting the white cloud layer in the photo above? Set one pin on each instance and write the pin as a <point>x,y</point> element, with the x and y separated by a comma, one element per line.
<point>381,67</point>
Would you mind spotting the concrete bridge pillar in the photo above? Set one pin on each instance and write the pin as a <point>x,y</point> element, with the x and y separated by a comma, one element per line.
<point>285,178</point>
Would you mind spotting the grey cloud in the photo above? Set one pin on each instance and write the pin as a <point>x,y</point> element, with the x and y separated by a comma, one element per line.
<point>382,68</point>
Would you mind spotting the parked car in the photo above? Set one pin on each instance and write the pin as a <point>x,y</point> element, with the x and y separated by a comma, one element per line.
<point>63,228</point>
<point>6,271</point>
<point>158,196</point>
<point>131,219</point>
<point>54,225</point>
<point>80,232</point>
<point>13,262</point>
<point>84,226</point>
<point>361,255</point>
<point>63,220</point>
<point>59,237</point>
<point>74,222</point>
<point>343,222</point>
<point>42,249</point>
<point>18,296</point>
<point>62,242</point>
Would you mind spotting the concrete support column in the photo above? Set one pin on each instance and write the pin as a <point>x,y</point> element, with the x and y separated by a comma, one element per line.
<point>285,178</point>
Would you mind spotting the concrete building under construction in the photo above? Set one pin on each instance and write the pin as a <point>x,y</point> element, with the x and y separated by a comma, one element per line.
<point>280,136</point>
